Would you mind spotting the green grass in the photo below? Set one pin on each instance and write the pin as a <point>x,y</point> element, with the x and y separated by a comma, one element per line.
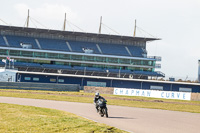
<point>18,118</point>
<point>142,102</point>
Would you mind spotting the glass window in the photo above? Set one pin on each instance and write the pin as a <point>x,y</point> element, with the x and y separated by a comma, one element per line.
<point>124,61</point>
<point>112,60</point>
<point>135,62</point>
<point>150,63</point>
<point>61,80</point>
<point>35,79</point>
<point>52,80</point>
<point>15,52</point>
<point>63,56</point>
<point>98,84</point>
<point>76,57</point>
<point>42,61</point>
<point>52,55</point>
<point>98,66</point>
<point>153,87</point>
<point>185,89</point>
<point>59,63</point>
<point>27,53</point>
<point>3,51</point>
<point>89,58</point>
<point>39,54</point>
<point>27,78</point>
<point>100,59</point>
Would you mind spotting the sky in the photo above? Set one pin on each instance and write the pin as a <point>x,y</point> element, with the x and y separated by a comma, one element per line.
<point>175,22</point>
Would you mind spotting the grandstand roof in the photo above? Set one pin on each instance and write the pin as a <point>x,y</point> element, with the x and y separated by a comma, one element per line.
<point>67,33</point>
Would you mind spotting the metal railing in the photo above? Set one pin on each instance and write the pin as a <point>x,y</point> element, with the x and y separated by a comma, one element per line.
<point>161,73</point>
<point>158,66</point>
<point>158,58</point>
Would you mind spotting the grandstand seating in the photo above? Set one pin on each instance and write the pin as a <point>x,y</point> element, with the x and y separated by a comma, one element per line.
<point>111,49</point>
<point>135,51</point>
<point>51,66</point>
<point>125,71</point>
<point>53,44</point>
<point>2,42</point>
<point>78,46</point>
<point>146,73</point>
<point>27,64</point>
<point>78,68</point>
<point>81,68</point>
<point>113,70</point>
<point>14,41</point>
<point>87,69</point>
<point>94,69</point>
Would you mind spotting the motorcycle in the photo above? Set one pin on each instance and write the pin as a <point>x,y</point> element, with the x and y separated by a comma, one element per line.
<point>102,107</point>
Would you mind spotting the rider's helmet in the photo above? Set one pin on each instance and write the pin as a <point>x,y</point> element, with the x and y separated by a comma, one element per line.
<point>97,94</point>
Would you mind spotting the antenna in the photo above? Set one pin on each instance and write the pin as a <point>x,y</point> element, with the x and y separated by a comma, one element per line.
<point>134,29</point>
<point>100,25</point>
<point>27,24</point>
<point>64,26</point>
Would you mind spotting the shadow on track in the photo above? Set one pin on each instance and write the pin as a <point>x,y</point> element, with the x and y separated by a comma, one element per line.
<point>121,118</point>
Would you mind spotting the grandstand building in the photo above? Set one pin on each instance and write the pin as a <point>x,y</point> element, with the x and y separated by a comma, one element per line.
<point>99,54</point>
<point>52,56</point>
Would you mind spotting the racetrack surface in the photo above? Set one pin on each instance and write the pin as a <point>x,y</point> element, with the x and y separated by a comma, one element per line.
<point>137,120</point>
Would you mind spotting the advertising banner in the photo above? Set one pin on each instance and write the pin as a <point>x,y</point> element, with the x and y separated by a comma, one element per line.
<point>153,93</point>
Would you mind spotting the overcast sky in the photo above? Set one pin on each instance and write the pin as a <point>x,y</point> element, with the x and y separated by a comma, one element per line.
<point>176,22</point>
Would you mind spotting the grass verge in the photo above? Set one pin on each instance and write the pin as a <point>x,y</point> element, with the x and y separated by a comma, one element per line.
<point>142,102</point>
<point>18,118</point>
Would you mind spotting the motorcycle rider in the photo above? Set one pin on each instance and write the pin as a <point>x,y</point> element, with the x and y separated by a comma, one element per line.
<point>96,98</point>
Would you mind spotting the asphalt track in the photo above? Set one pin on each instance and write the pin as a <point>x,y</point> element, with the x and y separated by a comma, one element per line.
<point>137,120</point>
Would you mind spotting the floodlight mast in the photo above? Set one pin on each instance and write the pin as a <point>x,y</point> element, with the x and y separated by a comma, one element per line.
<point>64,26</point>
<point>134,29</point>
<point>27,24</point>
<point>100,25</point>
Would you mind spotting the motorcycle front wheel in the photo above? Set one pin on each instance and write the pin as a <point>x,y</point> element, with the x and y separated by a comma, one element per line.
<point>101,112</point>
<point>106,112</point>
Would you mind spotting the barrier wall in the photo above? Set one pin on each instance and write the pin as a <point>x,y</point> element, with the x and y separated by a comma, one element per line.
<point>153,93</point>
<point>39,86</point>
<point>195,96</point>
<point>101,90</point>
<point>110,90</point>
<point>116,82</point>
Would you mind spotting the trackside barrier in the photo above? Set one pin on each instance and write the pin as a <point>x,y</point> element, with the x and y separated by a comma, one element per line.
<point>39,86</point>
<point>153,93</point>
<point>147,93</point>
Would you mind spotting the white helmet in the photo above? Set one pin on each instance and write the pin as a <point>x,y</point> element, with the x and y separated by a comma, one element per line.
<point>97,94</point>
